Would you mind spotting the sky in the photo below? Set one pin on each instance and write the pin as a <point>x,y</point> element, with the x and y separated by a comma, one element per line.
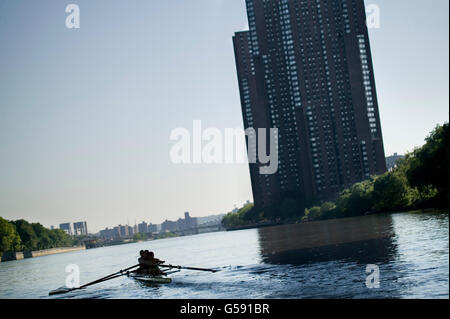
<point>86,114</point>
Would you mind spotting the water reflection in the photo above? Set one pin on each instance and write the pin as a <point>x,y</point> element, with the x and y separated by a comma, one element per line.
<point>362,240</point>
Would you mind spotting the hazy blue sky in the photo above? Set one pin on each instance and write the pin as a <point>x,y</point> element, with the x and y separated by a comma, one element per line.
<point>85,115</point>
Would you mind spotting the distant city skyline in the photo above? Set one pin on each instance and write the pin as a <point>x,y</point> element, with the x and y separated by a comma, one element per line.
<point>86,114</point>
<point>70,226</point>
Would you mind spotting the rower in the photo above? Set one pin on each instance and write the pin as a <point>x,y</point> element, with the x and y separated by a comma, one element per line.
<point>153,263</point>
<point>149,264</point>
<point>143,267</point>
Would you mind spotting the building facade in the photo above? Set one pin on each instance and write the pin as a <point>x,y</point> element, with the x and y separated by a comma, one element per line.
<point>143,227</point>
<point>67,228</point>
<point>109,234</point>
<point>152,228</point>
<point>391,161</point>
<point>305,67</point>
<point>182,224</point>
<point>169,226</point>
<point>187,222</point>
<point>80,229</point>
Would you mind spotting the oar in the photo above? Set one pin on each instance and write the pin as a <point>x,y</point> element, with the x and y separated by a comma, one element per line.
<point>188,268</point>
<point>64,290</point>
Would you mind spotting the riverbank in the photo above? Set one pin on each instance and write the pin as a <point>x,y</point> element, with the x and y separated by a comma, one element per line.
<point>303,221</point>
<point>9,256</point>
<point>258,225</point>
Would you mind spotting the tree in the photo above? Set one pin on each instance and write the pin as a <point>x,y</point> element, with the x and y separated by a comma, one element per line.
<point>429,165</point>
<point>327,210</point>
<point>9,238</point>
<point>139,236</point>
<point>247,212</point>
<point>232,219</point>
<point>27,234</point>
<point>356,200</point>
<point>312,213</point>
<point>390,191</point>
<point>59,238</point>
<point>42,233</point>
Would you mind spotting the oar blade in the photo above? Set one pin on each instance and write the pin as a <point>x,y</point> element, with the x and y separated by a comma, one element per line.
<point>189,268</point>
<point>60,290</point>
<point>63,290</point>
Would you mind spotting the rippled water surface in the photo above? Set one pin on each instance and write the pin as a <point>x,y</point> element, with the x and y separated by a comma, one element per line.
<point>324,259</point>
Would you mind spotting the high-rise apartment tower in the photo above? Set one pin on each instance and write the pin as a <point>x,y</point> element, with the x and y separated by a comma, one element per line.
<point>305,67</point>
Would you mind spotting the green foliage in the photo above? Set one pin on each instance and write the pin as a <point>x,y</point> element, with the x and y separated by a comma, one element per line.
<point>390,192</point>
<point>356,200</point>
<point>328,210</point>
<point>140,236</point>
<point>247,213</point>
<point>165,235</point>
<point>78,240</point>
<point>9,238</point>
<point>429,168</point>
<point>21,235</point>
<point>290,207</point>
<point>313,213</point>
<point>43,236</point>
<point>27,235</point>
<point>418,180</point>
<point>241,217</point>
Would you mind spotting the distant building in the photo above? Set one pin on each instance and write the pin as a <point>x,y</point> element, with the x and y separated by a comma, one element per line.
<point>109,234</point>
<point>116,231</point>
<point>123,231</point>
<point>169,226</point>
<point>182,224</point>
<point>187,223</point>
<point>80,229</point>
<point>131,231</point>
<point>152,228</point>
<point>392,160</point>
<point>210,220</point>
<point>66,227</point>
<point>143,227</point>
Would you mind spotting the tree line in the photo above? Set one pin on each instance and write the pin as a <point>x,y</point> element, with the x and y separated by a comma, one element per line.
<point>420,180</point>
<point>21,235</point>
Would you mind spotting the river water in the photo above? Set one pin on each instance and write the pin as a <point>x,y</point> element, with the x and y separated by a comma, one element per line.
<point>325,259</point>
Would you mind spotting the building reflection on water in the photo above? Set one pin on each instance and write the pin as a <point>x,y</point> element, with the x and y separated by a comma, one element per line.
<point>368,239</point>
